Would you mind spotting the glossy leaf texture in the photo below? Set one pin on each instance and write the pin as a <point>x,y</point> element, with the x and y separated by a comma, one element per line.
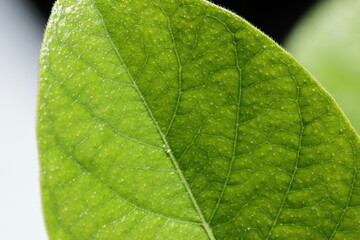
<point>327,42</point>
<point>179,120</point>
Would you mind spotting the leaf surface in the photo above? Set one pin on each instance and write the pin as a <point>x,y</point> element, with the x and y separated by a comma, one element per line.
<point>179,120</point>
<point>327,42</point>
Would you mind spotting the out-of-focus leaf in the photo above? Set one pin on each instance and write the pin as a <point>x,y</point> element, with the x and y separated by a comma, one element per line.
<point>327,42</point>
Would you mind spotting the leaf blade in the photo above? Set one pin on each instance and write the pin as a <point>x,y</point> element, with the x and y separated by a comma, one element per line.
<point>231,107</point>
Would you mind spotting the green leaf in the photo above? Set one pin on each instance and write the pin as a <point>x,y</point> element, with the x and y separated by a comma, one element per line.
<point>327,43</point>
<point>179,120</point>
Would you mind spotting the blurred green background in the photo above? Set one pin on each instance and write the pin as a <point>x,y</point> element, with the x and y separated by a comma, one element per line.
<point>327,43</point>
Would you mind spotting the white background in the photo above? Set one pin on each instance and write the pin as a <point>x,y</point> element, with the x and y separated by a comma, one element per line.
<point>20,40</point>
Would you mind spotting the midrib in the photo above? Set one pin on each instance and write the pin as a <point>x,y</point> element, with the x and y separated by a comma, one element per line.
<point>163,137</point>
